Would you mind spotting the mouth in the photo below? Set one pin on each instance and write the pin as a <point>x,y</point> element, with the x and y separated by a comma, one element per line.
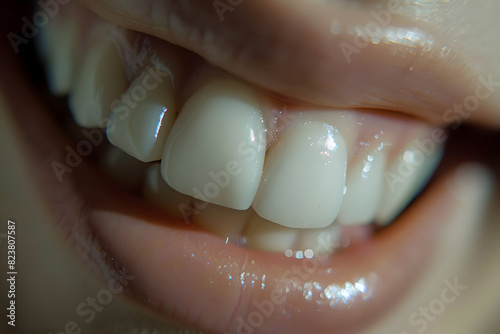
<point>240,207</point>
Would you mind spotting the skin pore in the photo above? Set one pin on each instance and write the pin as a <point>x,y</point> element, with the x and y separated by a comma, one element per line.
<point>71,283</point>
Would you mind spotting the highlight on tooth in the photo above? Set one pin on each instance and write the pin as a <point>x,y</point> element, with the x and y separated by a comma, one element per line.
<point>143,117</point>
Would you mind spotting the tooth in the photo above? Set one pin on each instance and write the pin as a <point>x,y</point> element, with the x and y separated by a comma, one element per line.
<point>59,48</point>
<point>224,222</point>
<point>405,177</point>
<point>322,241</point>
<point>142,120</point>
<point>267,236</point>
<point>304,177</point>
<point>122,168</point>
<point>156,191</point>
<point>215,151</point>
<point>364,187</point>
<point>101,81</point>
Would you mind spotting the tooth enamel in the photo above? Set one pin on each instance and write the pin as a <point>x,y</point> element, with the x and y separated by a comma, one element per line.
<point>100,82</point>
<point>224,222</point>
<point>142,120</point>
<point>122,168</point>
<point>58,44</point>
<point>405,177</point>
<point>364,188</point>
<point>304,177</point>
<point>156,191</point>
<point>267,236</point>
<point>322,242</point>
<point>215,151</point>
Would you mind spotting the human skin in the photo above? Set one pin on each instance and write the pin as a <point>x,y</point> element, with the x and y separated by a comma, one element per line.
<point>51,268</point>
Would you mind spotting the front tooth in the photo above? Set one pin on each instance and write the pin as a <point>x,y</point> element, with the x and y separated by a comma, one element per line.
<point>405,177</point>
<point>215,151</point>
<point>304,177</point>
<point>364,187</point>
<point>142,120</point>
<point>101,81</point>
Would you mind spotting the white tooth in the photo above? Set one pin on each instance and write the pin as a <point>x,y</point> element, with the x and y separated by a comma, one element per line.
<point>405,177</point>
<point>304,177</point>
<point>364,186</point>
<point>224,222</point>
<point>156,191</point>
<point>60,50</point>
<point>322,242</point>
<point>122,168</point>
<point>216,149</point>
<point>264,235</point>
<point>142,120</point>
<point>101,81</point>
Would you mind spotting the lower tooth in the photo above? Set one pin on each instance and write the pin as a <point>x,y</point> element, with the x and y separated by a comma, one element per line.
<point>156,191</point>
<point>122,168</point>
<point>267,236</point>
<point>101,81</point>
<point>322,242</point>
<point>141,121</point>
<point>224,222</point>
<point>364,189</point>
<point>215,151</point>
<point>405,177</point>
<point>304,177</point>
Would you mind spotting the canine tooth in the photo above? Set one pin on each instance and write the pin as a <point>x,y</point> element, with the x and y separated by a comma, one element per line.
<point>101,81</point>
<point>155,190</point>
<point>405,177</point>
<point>264,235</point>
<point>364,189</point>
<point>216,149</point>
<point>224,222</point>
<point>122,168</point>
<point>304,177</point>
<point>141,122</point>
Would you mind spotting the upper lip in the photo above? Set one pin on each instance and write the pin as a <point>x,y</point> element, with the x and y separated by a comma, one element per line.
<point>291,51</point>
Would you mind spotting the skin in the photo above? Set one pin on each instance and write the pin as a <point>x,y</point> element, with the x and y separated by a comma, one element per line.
<point>49,269</point>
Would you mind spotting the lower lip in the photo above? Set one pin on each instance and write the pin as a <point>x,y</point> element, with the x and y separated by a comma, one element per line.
<point>187,273</point>
<point>183,271</point>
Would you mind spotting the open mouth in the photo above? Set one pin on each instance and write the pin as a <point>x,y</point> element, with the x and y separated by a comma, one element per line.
<point>239,208</point>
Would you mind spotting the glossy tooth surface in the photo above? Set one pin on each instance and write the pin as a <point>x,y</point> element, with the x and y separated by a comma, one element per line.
<point>100,82</point>
<point>405,177</point>
<point>143,118</point>
<point>364,186</point>
<point>267,236</point>
<point>224,222</point>
<point>58,41</point>
<point>215,151</point>
<point>156,191</point>
<point>122,168</point>
<point>304,177</point>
